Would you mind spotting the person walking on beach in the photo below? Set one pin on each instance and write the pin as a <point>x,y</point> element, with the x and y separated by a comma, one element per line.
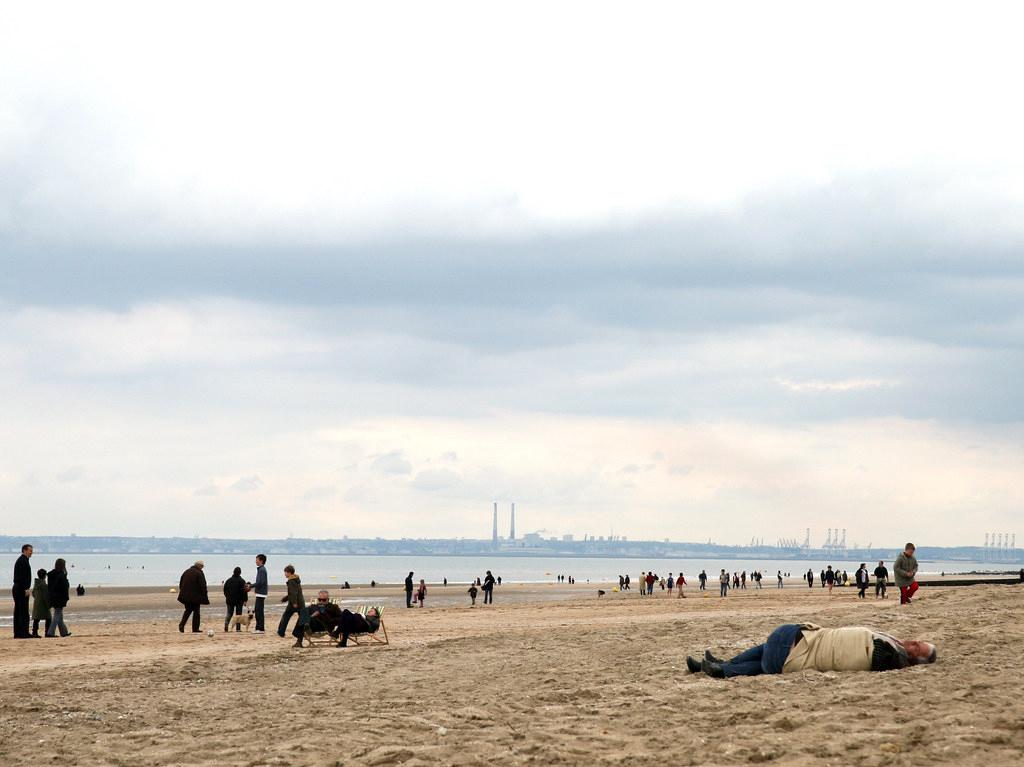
<point>830,578</point>
<point>743,579</point>
<point>472,594</point>
<point>703,579</point>
<point>40,603</point>
<point>823,578</point>
<point>295,604</point>
<point>421,592</point>
<point>625,582</point>
<point>680,582</point>
<point>881,579</point>
<point>670,584</point>
<point>408,589</point>
<point>59,591</point>
<point>862,580</point>
<point>905,568</point>
<point>488,588</point>
<point>193,594</point>
<point>650,583</point>
<point>810,579</point>
<point>261,591</point>
<point>779,577</point>
<point>234,597</point>
<point>21,590</point>
<point>723,584</point>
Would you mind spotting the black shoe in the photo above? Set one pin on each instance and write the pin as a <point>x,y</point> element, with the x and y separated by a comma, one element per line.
<point>711,658</point>
<point>712,669</point>
<point>693,665</point>
<point>181,628</point>
<point>342,643</point>
<point>298,642</point>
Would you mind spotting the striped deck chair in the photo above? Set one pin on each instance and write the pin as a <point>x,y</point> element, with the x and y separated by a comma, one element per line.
<point>380,636</point>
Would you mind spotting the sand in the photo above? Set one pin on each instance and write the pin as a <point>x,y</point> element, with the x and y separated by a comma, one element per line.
<point>549,675</point>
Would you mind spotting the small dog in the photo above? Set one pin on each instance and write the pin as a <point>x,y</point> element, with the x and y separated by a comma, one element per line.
<point>241,620</point>
<point>600,593</point>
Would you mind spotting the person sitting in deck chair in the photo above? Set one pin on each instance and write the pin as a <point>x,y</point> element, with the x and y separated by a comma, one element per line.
<point>797,647</point>
<point>354,623</point>
<point>324,616</point>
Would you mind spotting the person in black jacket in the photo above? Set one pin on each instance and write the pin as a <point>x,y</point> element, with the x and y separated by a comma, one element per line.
<point>408,589</point>
<point>881,578</point>
<point>192,593</point>
<point>60,593</point>
<point>488,588</point>
<point>21,590</point>
<point>862,580</point>
<point>235,595</point>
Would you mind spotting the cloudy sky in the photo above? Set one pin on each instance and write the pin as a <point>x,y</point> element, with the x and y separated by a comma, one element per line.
<point>677,271</point>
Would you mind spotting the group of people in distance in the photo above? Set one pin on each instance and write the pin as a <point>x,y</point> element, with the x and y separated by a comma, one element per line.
<point>50,594</point>
<point>418,593</point>
<point>322,616</point>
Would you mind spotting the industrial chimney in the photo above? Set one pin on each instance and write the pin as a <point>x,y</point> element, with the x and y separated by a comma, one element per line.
<point>512,531</point>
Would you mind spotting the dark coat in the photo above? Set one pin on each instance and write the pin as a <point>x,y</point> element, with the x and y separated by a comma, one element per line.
<point>22,574</point>
<point>192,587</point>
<point>58,587</point>
<point>234,591</point>
<point>40,601</point>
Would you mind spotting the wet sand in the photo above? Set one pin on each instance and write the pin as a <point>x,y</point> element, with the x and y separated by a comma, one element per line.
<point>550,674</point>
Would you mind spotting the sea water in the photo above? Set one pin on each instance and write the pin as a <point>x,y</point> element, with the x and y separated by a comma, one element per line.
<point>98,570</point>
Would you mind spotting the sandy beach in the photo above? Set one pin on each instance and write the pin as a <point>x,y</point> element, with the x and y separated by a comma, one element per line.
<point>550,674</point>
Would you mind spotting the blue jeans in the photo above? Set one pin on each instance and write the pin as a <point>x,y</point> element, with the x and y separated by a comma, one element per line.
<point>767,658</point>
<point>723,589</point>
<point>57,623</point>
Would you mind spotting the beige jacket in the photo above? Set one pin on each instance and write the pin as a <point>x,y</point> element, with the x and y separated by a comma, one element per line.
<point>841,649</point>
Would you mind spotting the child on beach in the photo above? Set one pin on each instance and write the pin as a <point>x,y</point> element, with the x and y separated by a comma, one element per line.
<point>40,603</point>
<point>421,592</point>
<point>472,594</point>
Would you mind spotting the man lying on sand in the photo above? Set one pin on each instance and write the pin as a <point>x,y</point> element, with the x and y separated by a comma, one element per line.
<point>800,646</point>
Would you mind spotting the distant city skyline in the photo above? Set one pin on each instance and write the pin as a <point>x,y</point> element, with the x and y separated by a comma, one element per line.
<point>689,278</point>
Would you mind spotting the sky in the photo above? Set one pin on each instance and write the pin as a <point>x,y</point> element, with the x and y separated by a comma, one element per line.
<point>687,271</point>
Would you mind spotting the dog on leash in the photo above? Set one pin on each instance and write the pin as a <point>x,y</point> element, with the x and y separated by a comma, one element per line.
<point>240,620</point>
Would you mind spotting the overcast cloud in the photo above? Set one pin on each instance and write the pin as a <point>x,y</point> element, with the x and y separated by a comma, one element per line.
<point>674,271</point>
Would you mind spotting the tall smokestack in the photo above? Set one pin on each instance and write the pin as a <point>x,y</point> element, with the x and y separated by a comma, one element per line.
<point>512,531</point>
<point>494,529</point>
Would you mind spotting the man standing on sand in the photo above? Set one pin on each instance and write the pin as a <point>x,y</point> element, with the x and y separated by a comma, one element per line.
<point>810,579</point>
<point>723,584</point>
<point>703,578</point>
<point>881,579</point>
<point>192,593</point>
<point>905,569</point>
<point>21,590</point>
<point>262,591</point>
<point>408,589</point>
